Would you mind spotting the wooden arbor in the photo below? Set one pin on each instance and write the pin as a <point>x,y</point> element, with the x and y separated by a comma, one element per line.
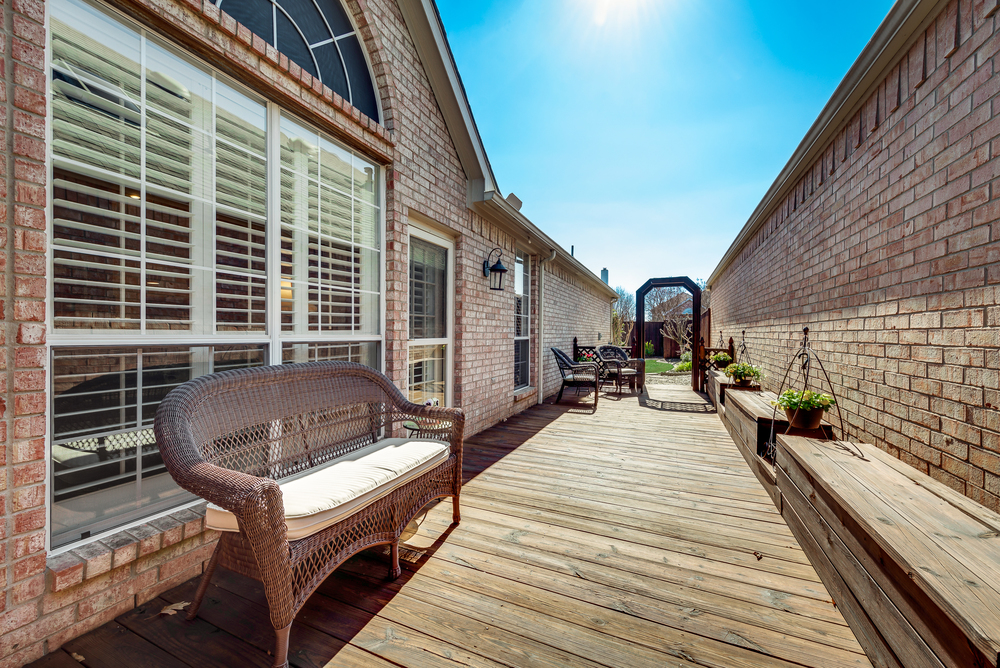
<point>640,317</point>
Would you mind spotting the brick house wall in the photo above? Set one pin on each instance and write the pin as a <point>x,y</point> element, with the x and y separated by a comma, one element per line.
<point>888,249</point>
<point>572,309</point>
<point>47,600</point>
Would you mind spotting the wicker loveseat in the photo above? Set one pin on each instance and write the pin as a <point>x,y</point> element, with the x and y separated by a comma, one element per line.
<point>300,470</point>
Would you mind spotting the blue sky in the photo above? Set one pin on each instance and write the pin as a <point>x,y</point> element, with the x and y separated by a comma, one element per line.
<point>645,132</point>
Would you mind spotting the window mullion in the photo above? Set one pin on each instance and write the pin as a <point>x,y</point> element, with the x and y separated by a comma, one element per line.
<point>207,255</point>
<point>142,191</point>
<point>273,233</point>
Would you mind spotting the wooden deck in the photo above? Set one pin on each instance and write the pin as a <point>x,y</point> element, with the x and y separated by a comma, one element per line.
<point>632,537</point>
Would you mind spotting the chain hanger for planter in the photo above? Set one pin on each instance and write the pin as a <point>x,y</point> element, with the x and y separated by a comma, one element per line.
<point>722,340</point>
<point>743,352</point>
<point>804,361</point>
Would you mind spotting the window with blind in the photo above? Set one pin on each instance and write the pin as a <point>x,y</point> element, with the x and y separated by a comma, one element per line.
<point>522,320</point>
<point>172,205</point>
<point>430,344</point>
<point>330,242</point>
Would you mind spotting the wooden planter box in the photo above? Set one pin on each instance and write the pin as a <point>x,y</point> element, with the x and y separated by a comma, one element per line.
<point>719,383</point>
<point>748,419</point>
<point>911,563</point>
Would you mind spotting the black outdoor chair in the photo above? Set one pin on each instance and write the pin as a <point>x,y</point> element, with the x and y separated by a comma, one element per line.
<point>621,367</point>
<point>576,374</point>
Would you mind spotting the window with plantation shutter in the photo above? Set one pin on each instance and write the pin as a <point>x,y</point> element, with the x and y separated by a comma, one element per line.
<point>522,320</point>
<point>187,238</point>
<point>151,174</point>
<point>330,243</point>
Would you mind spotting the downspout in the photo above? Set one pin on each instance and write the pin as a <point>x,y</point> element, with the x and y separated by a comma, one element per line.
<point>541,324</point>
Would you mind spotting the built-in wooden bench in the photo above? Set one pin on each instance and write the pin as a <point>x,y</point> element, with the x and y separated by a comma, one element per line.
<point>748,417</point>
<point>913,565</point>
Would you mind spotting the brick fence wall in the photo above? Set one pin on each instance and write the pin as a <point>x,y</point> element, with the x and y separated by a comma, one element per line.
<point>889,250</point>
<point>49,600</point>
<point>572,309</point>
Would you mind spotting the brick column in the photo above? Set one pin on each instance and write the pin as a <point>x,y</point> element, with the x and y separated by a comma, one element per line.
<point>22,386</point>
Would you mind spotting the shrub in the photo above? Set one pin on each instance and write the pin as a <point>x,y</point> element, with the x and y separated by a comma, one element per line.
<point>686,356</point>
<point>649,349</point>
<point>683,366</point>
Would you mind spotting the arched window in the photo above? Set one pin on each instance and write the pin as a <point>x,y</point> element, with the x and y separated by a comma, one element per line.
<point>319,37</point>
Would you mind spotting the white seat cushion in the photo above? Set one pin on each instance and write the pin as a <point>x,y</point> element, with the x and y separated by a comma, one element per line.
<point>323,496</point>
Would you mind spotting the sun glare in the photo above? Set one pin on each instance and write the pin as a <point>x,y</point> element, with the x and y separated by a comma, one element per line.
<point>623,15</point>
<point>619,11</point>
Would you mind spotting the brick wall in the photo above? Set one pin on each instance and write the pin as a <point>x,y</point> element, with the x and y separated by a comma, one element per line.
<point>889,250</point>
<point>49,600</point>
<point>22,260</point>
<point>572,309</point>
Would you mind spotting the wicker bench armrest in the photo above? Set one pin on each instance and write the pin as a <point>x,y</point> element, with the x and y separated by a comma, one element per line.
<point>437,414</point>
<point>228,489</point>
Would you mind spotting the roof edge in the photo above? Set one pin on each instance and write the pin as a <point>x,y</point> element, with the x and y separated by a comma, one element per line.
<point>881,53</point>
<point>499,210</point>
<point>431,41</point>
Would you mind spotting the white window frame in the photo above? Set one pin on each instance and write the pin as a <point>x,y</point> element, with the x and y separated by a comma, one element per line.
<point>526,332</point>
<point>426,234</point>
<point>271,337</point>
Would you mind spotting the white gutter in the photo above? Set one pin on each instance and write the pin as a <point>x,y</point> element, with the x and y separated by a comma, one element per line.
<point>499,211</point>
<point>539,365</point>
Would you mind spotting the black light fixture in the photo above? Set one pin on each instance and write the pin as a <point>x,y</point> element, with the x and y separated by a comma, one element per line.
<point>496,271</point>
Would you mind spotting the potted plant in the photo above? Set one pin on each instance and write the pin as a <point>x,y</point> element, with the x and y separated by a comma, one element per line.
<point>804,409</point>
<point>721,360</point>
<point>743,374</point>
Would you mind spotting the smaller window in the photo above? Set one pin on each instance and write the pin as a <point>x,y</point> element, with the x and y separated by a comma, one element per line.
<point>522,319</point>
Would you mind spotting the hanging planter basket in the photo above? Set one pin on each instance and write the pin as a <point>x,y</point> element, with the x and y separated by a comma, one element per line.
<point>806,396</point>
<point>810,418</point>
<point>746,373</point>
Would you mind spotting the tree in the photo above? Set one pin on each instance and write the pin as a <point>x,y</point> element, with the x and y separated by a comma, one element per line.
<point>662,302</point>
<point>677,327</point>
<point>622,317</point>
<point>674,307</point>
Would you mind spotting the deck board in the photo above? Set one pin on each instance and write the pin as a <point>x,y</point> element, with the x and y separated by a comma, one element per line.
<point>624,537</point>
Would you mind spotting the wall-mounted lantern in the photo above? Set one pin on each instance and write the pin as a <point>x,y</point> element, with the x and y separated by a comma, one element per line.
<point>496,271</point>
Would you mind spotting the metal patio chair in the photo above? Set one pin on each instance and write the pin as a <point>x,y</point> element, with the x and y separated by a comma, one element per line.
<point>577,374</point>
<point>623,368</point>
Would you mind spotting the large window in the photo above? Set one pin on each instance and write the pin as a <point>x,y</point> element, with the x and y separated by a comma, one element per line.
<point>430,318</point>
<point>522,320</point>
<point>106,468</point>
<point>195,228</point>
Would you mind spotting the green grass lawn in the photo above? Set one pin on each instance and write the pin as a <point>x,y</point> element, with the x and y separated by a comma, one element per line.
<point>657,366</point>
